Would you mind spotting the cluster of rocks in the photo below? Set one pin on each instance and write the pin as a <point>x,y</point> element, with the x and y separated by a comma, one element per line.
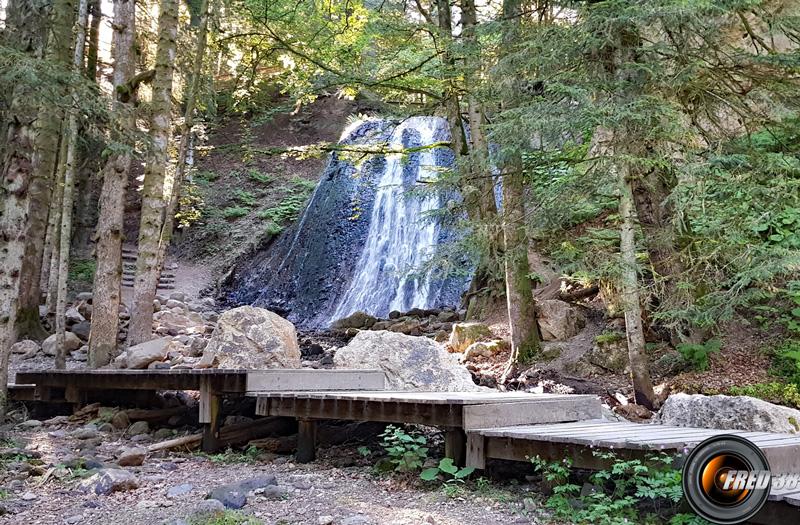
<point>417,322</point>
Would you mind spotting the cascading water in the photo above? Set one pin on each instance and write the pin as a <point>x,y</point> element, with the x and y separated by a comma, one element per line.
<point>401,237</point>
<point>364,236</point>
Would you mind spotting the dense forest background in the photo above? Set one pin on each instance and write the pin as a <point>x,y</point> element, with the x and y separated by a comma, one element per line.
<point>644,150</point>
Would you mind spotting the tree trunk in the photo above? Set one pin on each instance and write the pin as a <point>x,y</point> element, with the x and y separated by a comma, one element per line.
<point>48,130</point>
<point>53,243</point>
<point>186,133</point>
<point>69,184</point>
<point>153,198</point>
<point>450,97</point>
<point>94,40</point>
<point>26,23</point>
<point>651,195</point>
<point>108,275</point>
<point>640,370</point>
<point>525,343</point>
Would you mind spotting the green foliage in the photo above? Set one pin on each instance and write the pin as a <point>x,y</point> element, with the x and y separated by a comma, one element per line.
<point>261,178</point>
<point>82,270</point>
<point>698,353</point>
<point>226,517</point>
<point>780,393</point>
<point>448,471</point>
<point>204,178</point>
<point>405,451</point>
<point>244,197</point>
<point>609,337</point>
<point>233,457</point>
<point>235,212</point>
<point>629,491</point>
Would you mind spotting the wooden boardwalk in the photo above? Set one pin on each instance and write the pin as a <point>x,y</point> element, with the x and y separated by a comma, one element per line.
<point>479,426</point>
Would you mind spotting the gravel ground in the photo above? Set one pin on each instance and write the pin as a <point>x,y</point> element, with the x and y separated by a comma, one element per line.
<point>320,493</point>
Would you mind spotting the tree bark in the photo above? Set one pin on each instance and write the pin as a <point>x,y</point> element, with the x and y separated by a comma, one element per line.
<point>450,97</point>
<point>525,342</point>
<point>65,236</point>
<point>26,24</point>
<point>108,275</point>
<point>53,240</point>
<point>94,40</point>
<point>48,129</point>
<point>655,211</point>
<point>153,198</point>
<point>186,132</point>
<point>640,369</point>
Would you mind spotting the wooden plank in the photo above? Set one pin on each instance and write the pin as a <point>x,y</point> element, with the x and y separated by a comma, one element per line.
<point>531,412</point>
<point>226,380</point>
<point>451,398</point>
<point>301,380</point>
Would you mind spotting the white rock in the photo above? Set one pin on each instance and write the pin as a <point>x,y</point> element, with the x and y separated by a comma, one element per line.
<point>71,342</point>
<point>409,362</point>
<point>728,413</point>
<point>250,337</point>
<point>559,320</point>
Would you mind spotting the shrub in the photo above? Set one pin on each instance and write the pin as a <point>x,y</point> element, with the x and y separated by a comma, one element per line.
<point>405,451</point>
<point>698,353</point>
<point>82,270</point>
<point>235,212</point>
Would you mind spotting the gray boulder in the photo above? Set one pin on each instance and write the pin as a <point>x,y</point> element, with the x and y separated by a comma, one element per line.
<point>356,320</point>
<point>558,320</point>
<point>25,347</point>
<point>410,363</point>
<point>81,329</point>
<point>728,413</point>
<point>462,335</point>
<point>252,338</point>
<point>131,457</point>
<point>141,355</point>
<point>71,342</point>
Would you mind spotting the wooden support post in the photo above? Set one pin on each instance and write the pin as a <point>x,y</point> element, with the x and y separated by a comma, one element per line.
<point>476,456</point>
<point>455,445</point>
<point>306,440</point>
<point>209,415</point>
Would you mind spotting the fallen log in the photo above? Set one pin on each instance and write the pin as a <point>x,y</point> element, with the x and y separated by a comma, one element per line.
<point>235,434</point>
<point>190,441</point>
<point>158,414</point>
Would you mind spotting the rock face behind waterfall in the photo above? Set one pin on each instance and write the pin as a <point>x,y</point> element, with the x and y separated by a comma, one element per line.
<point>410,363</point>
<point>249,337</point>
<point>358,224</point>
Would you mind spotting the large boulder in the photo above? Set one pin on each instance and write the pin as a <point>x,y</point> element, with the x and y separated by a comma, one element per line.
<point>141,355</point>
<point>728,413</point>
<point>250,337</point>
<point>359,320</point>
<point>410,363</point>
<point>71,342</point>
<point>462,335</point>
<point>25,346</point>
<point>558,320</point>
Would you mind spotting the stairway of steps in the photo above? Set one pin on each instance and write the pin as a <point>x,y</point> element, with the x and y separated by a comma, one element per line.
<point>129,255</point>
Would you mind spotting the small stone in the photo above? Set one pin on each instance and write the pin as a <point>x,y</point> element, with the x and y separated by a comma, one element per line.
<point>162,433</point>
<point>325,520</point>
<point>274,492</point>
<point>120,420</point>
<point>179,490</point>
<point>87,432</point>
<point>207,510</point>
<point>31,423</point>
<point>302,485</point>
<point>72,520</point>
<point>131,457</point>
<point>139,428</point>
<point>172,303</point>
<point>177,296</point>
<point>141,438</point>
<point>358,519</point>
<point>106,481</point>
<point>231,496</point>
<point>29,496</point>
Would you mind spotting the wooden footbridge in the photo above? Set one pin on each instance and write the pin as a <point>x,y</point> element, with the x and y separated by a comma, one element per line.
<point>479,426</point>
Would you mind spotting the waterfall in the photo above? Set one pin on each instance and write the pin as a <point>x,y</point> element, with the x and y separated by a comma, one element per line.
<point>400,237</point>
<point>365,236</point>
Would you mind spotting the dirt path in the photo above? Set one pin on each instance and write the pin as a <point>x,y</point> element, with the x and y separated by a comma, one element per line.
<point>319,493</point>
